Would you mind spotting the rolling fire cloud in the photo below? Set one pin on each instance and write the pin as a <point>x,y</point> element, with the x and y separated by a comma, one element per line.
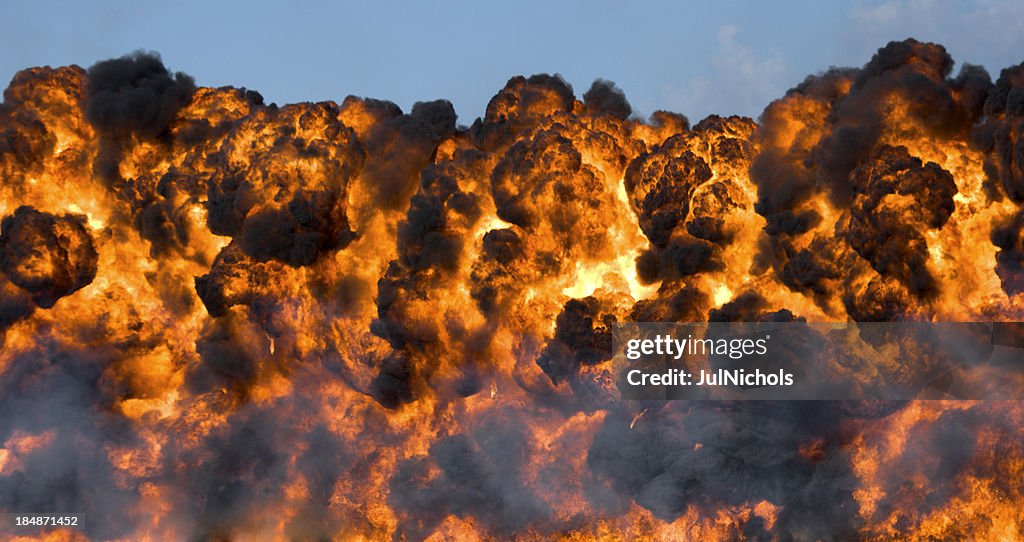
<point>223,319</point>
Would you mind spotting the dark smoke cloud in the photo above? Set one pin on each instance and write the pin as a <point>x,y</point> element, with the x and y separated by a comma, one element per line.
<point>606,98</point>
<point>660,185</point>
<point>583,336</point>
<point>48,256</point>
<point>678,206</point>
<point>28,133</point>
<point>908,72</point>
<point>481,475</point>
<point>520,105</point>
<point>24,139</point>
<point>237,472</point>
<point>827,136</point>
<point>59,391</point>
<point>675,302</point>
<point>1000,133</point>
<point>295,234</point>
<point>786,176</point>
<point>708,454</point>
<point>326,459</point>
<point>220,290</point>
<point>521,191</point>
<point>135,95</point>
<point>393,385</point>
<point>882,299</point>
<point>439,213</point>
<point>306,191</point>
<point>943,453</point>
<point>400,145</point>
<point>749,306</point>
<point>671,121</point>
<point>270,200</point>
<point>552,185</point>
<point>1009,237</point>
<point>495,275</point>
<point>15,304</point>
<point>233,355</point>
<point>430,243</point>
<point>891,239</point>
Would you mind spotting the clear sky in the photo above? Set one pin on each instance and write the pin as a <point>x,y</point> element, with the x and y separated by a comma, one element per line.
<point>729,57</point>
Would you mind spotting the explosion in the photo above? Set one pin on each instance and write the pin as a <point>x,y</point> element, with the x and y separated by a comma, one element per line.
<point>223,319</point>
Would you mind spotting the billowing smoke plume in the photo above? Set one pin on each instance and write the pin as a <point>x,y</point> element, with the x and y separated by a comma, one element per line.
<point>225,319</point>
<point>135,95</point>
<point>47,256</point>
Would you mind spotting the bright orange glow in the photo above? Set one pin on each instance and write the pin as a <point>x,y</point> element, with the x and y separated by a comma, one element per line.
<point>227,320</point>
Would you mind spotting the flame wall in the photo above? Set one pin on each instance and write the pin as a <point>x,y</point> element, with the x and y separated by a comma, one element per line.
<point>228,320</point>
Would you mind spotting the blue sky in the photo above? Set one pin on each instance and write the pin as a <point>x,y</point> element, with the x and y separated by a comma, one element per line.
<point>730,57</point>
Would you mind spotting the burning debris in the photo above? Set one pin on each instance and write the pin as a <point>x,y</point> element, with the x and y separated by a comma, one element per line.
<point>226,319</point>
